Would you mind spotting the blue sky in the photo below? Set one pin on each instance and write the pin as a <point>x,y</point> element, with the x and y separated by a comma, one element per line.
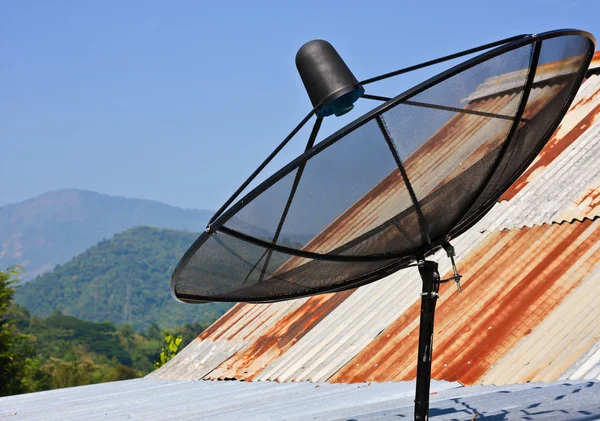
<point>179,101</point>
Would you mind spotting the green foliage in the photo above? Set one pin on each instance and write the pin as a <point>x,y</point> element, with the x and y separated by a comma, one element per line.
<point>172,343</point>
<point>15,349</point>
<point>124,280</point>
<point>34,377</point>
<point>63,351</point>
<point>73,352</point>
<point>58,336</point>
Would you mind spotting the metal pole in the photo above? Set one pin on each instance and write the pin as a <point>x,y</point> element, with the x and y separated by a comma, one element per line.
<point>430,276</point>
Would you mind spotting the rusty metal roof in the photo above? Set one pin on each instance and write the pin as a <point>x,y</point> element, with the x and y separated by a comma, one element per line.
<point>514,280</point>
<point>528,311</point>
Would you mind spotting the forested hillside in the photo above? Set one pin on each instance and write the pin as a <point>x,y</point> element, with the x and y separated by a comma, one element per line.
<point>122,280</point>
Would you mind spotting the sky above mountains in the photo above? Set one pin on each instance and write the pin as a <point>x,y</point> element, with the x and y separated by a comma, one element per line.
<point>179,102</point>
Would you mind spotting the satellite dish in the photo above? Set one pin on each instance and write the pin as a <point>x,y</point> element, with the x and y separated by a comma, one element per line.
<point>393,186</point>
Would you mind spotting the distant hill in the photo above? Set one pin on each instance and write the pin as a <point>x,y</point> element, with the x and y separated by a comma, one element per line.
<point>124,279</point>
<point>54,227</point>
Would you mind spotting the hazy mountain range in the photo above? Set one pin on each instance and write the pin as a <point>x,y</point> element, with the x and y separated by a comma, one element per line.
<point>52,228</point>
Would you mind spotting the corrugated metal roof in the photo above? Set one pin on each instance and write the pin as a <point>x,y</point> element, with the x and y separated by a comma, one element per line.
<point>282,335</point>
<point>527,266</point>
<point>513,281</point>
<point>148,399</point>
<point>356,322</point>
<point>564,344</point>
<point>237,328</point>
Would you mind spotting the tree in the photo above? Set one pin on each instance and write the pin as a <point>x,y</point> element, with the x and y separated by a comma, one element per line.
<point>15,348</point>
<point>169,351</point>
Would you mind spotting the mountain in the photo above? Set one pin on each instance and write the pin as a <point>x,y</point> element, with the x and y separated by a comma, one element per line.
<point>124,279</point>
<point>42,232</point>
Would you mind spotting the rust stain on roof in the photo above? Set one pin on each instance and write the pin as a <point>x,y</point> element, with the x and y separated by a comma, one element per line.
<point>586,207</point>
<point>512,282</point>
<point>237,320</point>
<point>591,198</point>
<point>247,363</point>
<point>514,312</point>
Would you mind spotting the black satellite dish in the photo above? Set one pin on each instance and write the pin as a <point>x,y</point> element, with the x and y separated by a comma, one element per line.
<point>393,186</point>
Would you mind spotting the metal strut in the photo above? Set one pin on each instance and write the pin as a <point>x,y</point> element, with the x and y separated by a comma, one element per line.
<point>456,277</point>
<point>431,277</point>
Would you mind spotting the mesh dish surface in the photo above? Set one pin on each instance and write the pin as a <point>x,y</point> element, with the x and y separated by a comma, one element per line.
<point>395,184</point>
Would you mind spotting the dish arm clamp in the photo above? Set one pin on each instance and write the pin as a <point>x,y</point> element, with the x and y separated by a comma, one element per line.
<point>456,277</point>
